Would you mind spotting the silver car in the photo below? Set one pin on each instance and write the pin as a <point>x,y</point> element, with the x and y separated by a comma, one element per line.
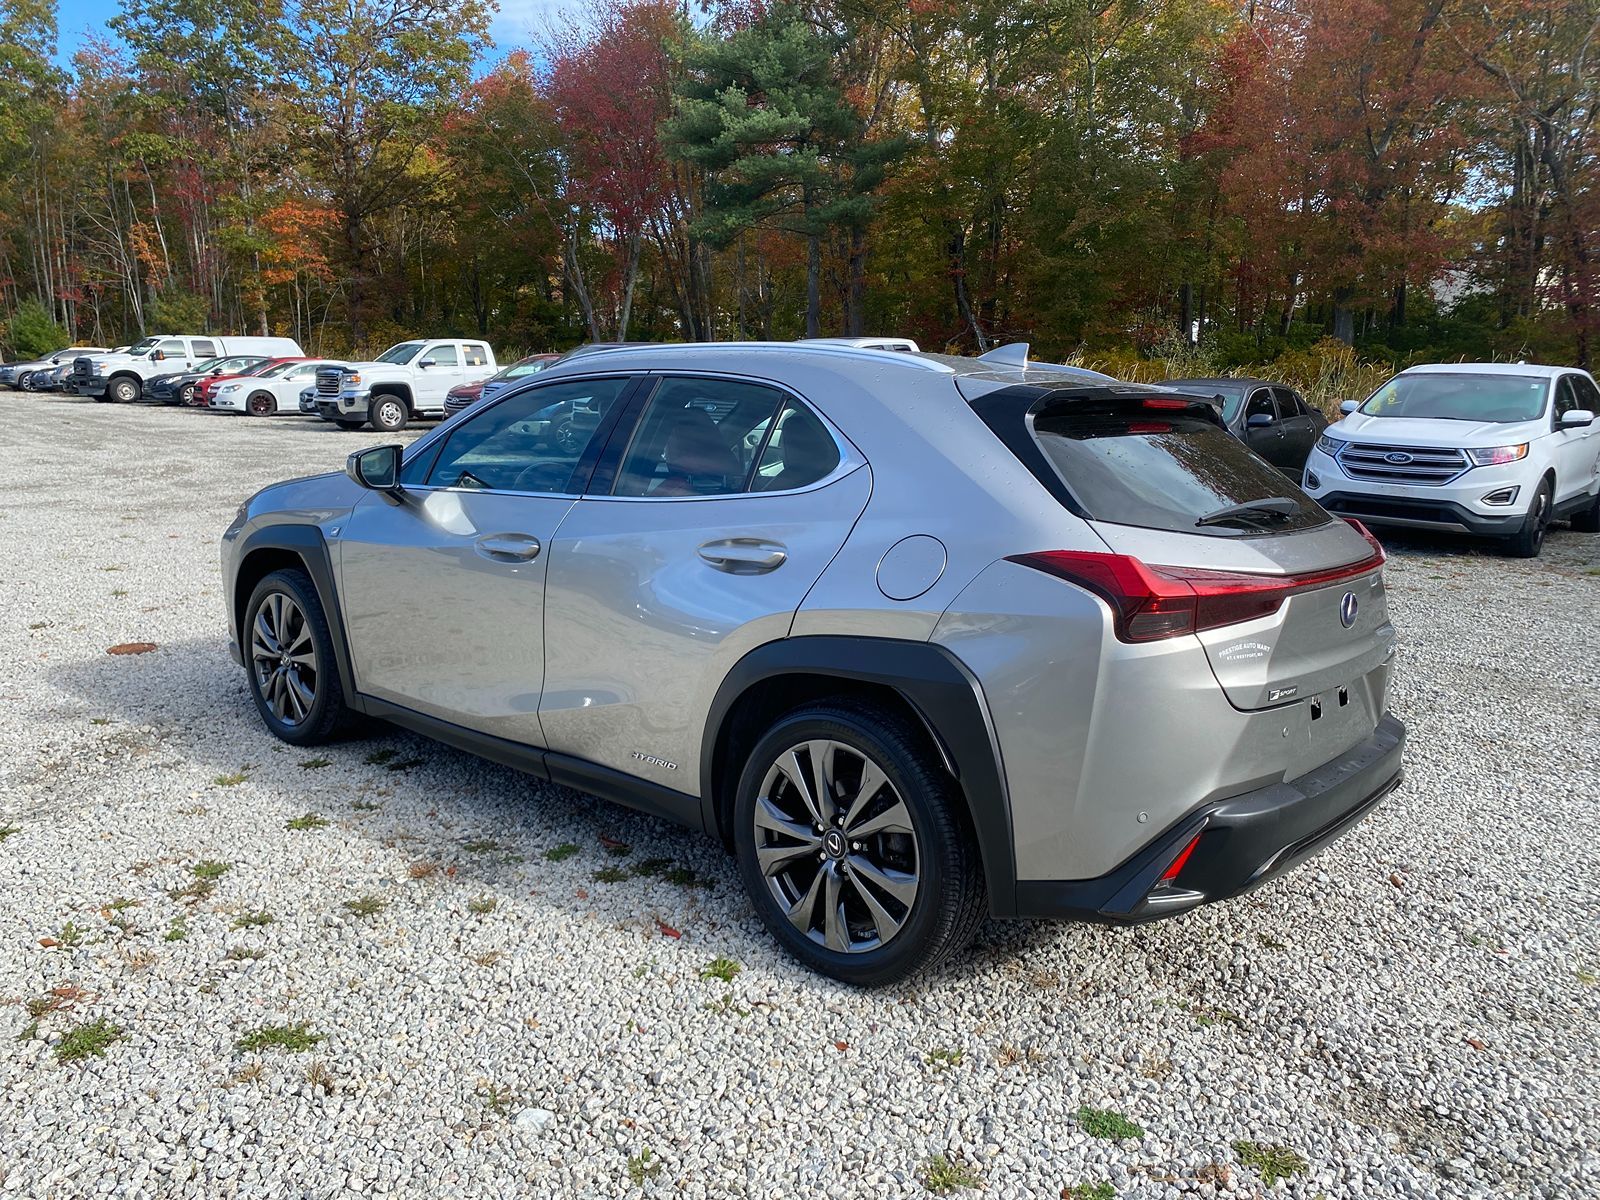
<point>921,639</point>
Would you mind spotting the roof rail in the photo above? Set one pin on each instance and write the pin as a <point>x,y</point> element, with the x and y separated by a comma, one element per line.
<point>1013,354</point>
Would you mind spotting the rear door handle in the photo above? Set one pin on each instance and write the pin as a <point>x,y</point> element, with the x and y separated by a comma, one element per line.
<point>744,556</point>
<point>508,547</point>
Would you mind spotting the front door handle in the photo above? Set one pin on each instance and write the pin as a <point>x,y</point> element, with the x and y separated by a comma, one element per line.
<point>744,556</point>
<point>508,547</point>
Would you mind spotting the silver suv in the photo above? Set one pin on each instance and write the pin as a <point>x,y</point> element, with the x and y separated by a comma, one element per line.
<point>921,639</point>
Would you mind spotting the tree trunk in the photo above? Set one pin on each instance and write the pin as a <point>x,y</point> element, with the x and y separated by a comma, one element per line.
<point>1344,318</point>
<point>813,286</point>
<point>855,314</point>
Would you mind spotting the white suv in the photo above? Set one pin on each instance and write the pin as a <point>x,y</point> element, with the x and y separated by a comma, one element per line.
<point>1497,450</point>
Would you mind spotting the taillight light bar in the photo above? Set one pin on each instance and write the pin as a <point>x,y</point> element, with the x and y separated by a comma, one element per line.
<point>1149,603</point>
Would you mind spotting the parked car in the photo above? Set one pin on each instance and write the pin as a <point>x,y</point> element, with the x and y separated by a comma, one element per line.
<point>941,653</point>
<point>276,390</point>
<point>207,387</point>
<point>11,373</point>
<point>120,377</point>
<point>406,382</point>
<point>1273,420</point>
<point>1496,450</point>
<point>49,379</point>
<point>308,400</point>
<point>466,394</point>
<point>178,387</point>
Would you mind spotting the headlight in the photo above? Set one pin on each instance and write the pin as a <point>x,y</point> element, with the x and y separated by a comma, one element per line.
<point>230,387</point>
<point>1493,456</point>
<point>351,379</point>
<point>1329,445</point>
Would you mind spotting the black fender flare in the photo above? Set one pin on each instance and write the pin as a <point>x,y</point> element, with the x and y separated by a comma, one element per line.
<point>938,687</point>
<point>307,544</point>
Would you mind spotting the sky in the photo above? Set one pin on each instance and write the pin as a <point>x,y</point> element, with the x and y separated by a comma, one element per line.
<point>516,21</point>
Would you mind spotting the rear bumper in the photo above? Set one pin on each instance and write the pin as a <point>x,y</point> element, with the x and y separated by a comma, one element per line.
<point>1243,841</point>
<point>1442,516</point>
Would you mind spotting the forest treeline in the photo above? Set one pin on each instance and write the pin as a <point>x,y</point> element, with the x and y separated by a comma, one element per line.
<point>1112,179</point>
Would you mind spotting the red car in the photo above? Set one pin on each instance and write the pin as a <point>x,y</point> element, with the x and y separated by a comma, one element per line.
<point>269,369</point>
<point>463,395</point>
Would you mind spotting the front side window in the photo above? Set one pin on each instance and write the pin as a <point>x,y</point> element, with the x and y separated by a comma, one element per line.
<point>1586,393</point>
<point>1445,396</point>
<point>531,442</point>
<point>402,353</point>
<point>443,355</point>
<point>698,437</point>
<point>1260,405</point>
<point>1566,396</point>
<point>173,346</point>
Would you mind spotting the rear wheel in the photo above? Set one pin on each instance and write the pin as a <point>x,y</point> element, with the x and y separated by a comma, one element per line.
<point>854,846</point>
<point>288,652</point>
<point>1529,540</point>
<point>262,404</point>
<point>388,413</point>
<point>122,391</point>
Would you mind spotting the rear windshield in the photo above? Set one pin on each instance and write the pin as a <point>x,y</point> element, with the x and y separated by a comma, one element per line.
<point>1502,399</point>
<point>1176,472</point>
<point>1232,393</point>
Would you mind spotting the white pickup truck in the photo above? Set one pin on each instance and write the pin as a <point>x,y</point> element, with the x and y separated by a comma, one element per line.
<point>406,382</point>
<point>120,377</point>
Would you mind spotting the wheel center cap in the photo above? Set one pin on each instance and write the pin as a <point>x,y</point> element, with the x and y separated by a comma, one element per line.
<point>833,844</point>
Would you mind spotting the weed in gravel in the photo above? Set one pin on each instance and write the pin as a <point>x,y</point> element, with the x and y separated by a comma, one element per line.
<point>498,1100</point>
<point>643,1167</point>
<point>119,593</point>
<point>1089,1191</point>
<point>253,920</point>
<point>481,846</point>
<point>722,968</point>
<point>378,757</point>
<point>1587,977</point>
<point>422,868</point>
<point>310,820</point>
<point>615,848</point>
<point>685,877</point>
<point>1106,1123</point>
<point>71,934</point>
<point>1205,1017</point>
<point>941,1175</point>
<point>559,853</point>
<point>244,954</point>
<point>611,874</point>
<point>404,764</point>
<point>940,1058</point>
<point>482,906</point>
<point>725,1007</point>
<point>318,1076</point>
<point>177,931</point>
<point>366,906</point>
<point>231,779</point>
<point>117,905</point>
<point>194,810</point>
<point>366,806</point>
<point>99,720</point>
<point>1271,1162</point>
<point>85,1041</point>
<point>39,625</point>
<point>651,867</point>
<point>488,958</point>
<point>210,869</point>
<point>293,1038</point>
<point>29,1031</point>
<point>316,764</point>
<point>248,1073</point>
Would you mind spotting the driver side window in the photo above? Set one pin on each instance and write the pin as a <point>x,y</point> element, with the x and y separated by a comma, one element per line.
<point>1260,405</point>
<point>442,355</point>
<point>529,442</point>
<point>1566,397</point>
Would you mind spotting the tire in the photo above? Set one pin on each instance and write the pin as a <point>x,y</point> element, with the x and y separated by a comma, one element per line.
<point>925,851</point>
<point>349,426</point>
<point>388,414</point>
<point>1587,520</point>
<point>262,404</point>
<point>122,391</point>
<point>1529,540</point>
<point>566,438</point>
<point>25,382</point>
<point>185,395</point>
<point>285,657</point>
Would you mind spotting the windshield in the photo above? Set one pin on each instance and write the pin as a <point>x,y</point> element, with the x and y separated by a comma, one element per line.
<point>277,369</point>
<point>139,349</point>
<point>1437,395</point>
<point>403,353</point>
<point>1232,393</point>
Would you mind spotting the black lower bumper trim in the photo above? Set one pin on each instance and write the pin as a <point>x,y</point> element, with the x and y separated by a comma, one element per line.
<point>1243,841</point>
<point>1443,516</point>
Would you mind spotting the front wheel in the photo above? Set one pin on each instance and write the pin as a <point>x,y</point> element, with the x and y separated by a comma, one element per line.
<point>262,404</point>
<point>288,652</point>
<point>1529,540</point>
<point>855,847</point>
<point>388,414</point>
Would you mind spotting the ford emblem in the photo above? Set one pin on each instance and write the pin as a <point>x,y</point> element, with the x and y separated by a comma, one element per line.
<point>1347,609</point>
<point>1399,458</point>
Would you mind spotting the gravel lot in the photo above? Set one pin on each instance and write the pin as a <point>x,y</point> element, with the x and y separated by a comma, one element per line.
<point>508,982</point>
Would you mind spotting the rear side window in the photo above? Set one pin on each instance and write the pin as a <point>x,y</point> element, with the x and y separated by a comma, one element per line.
<point>1177,473</point>
<point>475,355</point>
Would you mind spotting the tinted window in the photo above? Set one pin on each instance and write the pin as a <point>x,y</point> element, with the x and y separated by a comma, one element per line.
<point>1260,405</point>
<point>528,443</point>
<point>173,346</point>
<point>1289,405</point>
<point>1465,397</point>
<point>442,356</point>
<point>205,349</point>
<point>1588,395</point>
<point>1566,396</point>
<point>698,437</point>
<point>1164,473</point>
<point>475,354</point>
<point>799,451</point>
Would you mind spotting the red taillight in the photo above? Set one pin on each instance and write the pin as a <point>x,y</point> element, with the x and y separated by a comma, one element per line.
<point>1149,603</point>
<point>1171,872</point>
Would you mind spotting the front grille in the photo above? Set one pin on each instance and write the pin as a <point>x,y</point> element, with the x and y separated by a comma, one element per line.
<point>82,368</point>
<point>328,380</point>
<point>454,404</point>
<point>1427,466</point>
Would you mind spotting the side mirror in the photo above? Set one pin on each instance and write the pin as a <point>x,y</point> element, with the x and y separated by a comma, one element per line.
<point>376,468</point>
<point>1258,421</point>
<point>1349,406</point>
<point>427,362</point>
<point>1577,418</point>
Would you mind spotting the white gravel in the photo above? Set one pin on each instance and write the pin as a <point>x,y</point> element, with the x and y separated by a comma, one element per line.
<point>1414,1012</point>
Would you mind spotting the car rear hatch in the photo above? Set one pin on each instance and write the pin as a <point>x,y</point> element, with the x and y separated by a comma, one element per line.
<point>1206,539</point>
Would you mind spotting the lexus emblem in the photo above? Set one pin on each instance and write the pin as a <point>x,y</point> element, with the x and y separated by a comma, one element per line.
<point>1347,609</point>
<point>1398,457</point>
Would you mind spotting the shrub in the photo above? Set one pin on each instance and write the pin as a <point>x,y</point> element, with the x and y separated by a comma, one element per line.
<point>33,332</point>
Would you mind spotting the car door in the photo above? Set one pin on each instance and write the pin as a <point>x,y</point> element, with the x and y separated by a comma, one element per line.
<point>434,382</point>
<point>1575,449</point>
<point>1262,431</point>
<point>1298,428</point>
<point>710,517</point>
<point>443,591</point>
<point>286,388</point>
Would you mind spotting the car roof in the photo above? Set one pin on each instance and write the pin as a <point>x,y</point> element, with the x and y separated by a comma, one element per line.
<point>1482,368</point>
<point>1241,380</point>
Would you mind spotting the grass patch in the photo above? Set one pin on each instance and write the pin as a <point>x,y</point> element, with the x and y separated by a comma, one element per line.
<point>422,869</point>
<point>71,934</point>
<point>316,764</point>
<point>498,1099</point>
<point>1272,1163</point>
<point>611,874</point>
<point>1089,1191</point>
<point>1107,1123</point>
<point>941,1175</point>
<point>231,779</point>
<point>722,968</point>
<point>310,820</point>
<point>685,877</point>
<point>482,906</point>
<point>366,906</point>
<point>942,1058</point>
<point>652,867</point>
<point>643,1167</point>
<point>86,1041</point>
<point>292,1038</point>
<point>99,720</point>
<point>210,869</point>
<point>177,931</point>
<point>378,757</point>
<point>560,853</point>
<point>404,764</point>
<point>198,890</point>
<point>481,846</point>
<point>253,920</point>
<point>7,830</point>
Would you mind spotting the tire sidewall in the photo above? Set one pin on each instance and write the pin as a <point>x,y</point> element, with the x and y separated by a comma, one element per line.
<point>908,950</point>
<point>296,585</point>
<point>270,408</point>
